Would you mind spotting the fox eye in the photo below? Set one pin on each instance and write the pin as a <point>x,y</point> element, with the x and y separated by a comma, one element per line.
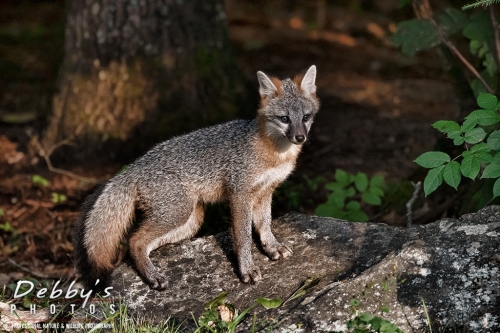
<point>285,119</point>
<point>306,117</point>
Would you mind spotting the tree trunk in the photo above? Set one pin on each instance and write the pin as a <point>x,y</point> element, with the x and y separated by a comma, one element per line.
<point>136,72</point>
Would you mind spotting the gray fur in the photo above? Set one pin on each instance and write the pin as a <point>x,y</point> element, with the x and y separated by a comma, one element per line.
<point>173,182</point>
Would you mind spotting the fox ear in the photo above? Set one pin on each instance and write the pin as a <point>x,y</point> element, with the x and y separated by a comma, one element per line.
<point>266,86</point>
<point>307,84</point>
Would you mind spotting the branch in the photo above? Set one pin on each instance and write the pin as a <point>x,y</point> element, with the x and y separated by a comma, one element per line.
<point>496,35</point>
<point>423,10</point>
<point>46,156</point>
<point>37,274</point>
<point>479,3</point>
<point>409,204</point>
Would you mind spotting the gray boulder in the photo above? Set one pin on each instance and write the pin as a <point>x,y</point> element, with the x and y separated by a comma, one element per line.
<point>447,271</point>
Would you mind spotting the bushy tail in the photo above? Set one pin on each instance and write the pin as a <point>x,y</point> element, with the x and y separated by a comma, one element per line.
<point>103,222</point>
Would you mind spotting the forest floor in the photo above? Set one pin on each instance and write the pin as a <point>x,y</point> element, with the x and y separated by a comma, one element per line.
<point>377,107</point>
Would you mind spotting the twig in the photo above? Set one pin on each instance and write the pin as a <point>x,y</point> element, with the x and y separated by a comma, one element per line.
<point>37,274</point>
<point>423,10</point>
<point>46,156</point>
<point>496,35</point>
<point>417,186</point>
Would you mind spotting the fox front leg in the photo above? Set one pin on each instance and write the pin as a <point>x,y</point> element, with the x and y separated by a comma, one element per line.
<point>242,239</point>
<point>262,222</point>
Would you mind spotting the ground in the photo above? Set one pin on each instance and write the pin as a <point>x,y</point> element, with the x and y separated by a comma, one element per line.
<point>377,107</point>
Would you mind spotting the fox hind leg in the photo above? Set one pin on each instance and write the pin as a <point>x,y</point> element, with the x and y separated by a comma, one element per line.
<point>168,222</point>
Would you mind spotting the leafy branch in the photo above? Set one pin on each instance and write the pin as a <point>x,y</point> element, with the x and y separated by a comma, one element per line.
<point>479,3</point>
<point>482,148</point>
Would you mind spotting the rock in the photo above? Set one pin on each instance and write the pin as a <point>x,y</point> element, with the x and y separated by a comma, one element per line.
<point>447,270</point>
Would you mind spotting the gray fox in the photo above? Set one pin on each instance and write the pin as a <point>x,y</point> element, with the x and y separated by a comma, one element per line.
<point>241,161</point>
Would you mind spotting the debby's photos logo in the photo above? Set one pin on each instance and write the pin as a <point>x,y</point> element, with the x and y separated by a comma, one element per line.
<point>35,296</point>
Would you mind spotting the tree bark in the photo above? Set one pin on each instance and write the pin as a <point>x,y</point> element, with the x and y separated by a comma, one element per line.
<point>136,72</point>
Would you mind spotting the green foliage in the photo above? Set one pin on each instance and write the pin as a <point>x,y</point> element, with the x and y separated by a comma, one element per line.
<point>301,291</point>
<point>295,195</point>
<point>120,321</point>
<point>364,322</point>
<point>482,148</point>
<point>13,241</point>
<point>58,198</point>
<point>30,298</point>
<point>1,212</point>
<point>346,192</point>
<point>416,34</point>
<point>8,228</point>
<point>220,316</point>
<point>480,3</point>
<point>37,179</point>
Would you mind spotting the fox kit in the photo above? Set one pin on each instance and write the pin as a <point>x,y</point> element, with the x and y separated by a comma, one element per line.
<point>241,161</point>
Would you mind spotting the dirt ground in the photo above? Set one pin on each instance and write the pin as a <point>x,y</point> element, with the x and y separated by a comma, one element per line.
<point>377,107</point>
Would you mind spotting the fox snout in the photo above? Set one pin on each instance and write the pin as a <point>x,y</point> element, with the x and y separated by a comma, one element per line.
<point>297,135</point>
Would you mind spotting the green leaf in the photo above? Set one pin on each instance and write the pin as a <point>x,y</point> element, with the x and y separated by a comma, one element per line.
<point>361,181</point>
<point>480,148</point>
<point>366,317</point>
<point>377,181</point>
<point>490,64</point>
<point>354,302</point>
<point>334,186</point>
<point>459,141</point>
<point>470,166</point>
<point>415,35</point>
<point>388,327</point>
<point>337,199</point>
<point>371,198</point>
<point>487,101</point>
<point>479,27</point>
<point>37,179</point>
<point>377,191</point>
<point>491,171</point>
<point>455,134</point>
<point>468,124</point>
<point>446,126</point>
<point>496,158</point>
<point>433,179</point>
<point>356,216</point>
<point>485,117</point>
<point>432,159</point>
<point>483,157</point>
<point>341,177</point>
<point>452,20</point>
<point>475,135</point>
<point>452,175</point>
<point>478,48</point>
<point>377,322</point>
<point>327,210</point>
<point>496,188</point>
<point>269,303</point>
<point>217,300</point>
<point>494,140</point>
<point>353,205</point>
<point>384,309</point>
<point>350,192</point>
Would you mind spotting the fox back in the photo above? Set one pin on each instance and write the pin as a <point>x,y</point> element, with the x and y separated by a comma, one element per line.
<point>241,161</point>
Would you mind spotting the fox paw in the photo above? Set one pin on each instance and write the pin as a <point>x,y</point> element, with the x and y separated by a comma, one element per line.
<point>278,251</point>
<point>156,281</point>
<point>250,274</point>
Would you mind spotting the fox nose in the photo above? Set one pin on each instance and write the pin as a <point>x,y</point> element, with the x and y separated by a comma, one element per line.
<point>300,138</point>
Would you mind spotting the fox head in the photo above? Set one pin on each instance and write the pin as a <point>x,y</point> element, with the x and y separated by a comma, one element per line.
<point>288,106</point>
